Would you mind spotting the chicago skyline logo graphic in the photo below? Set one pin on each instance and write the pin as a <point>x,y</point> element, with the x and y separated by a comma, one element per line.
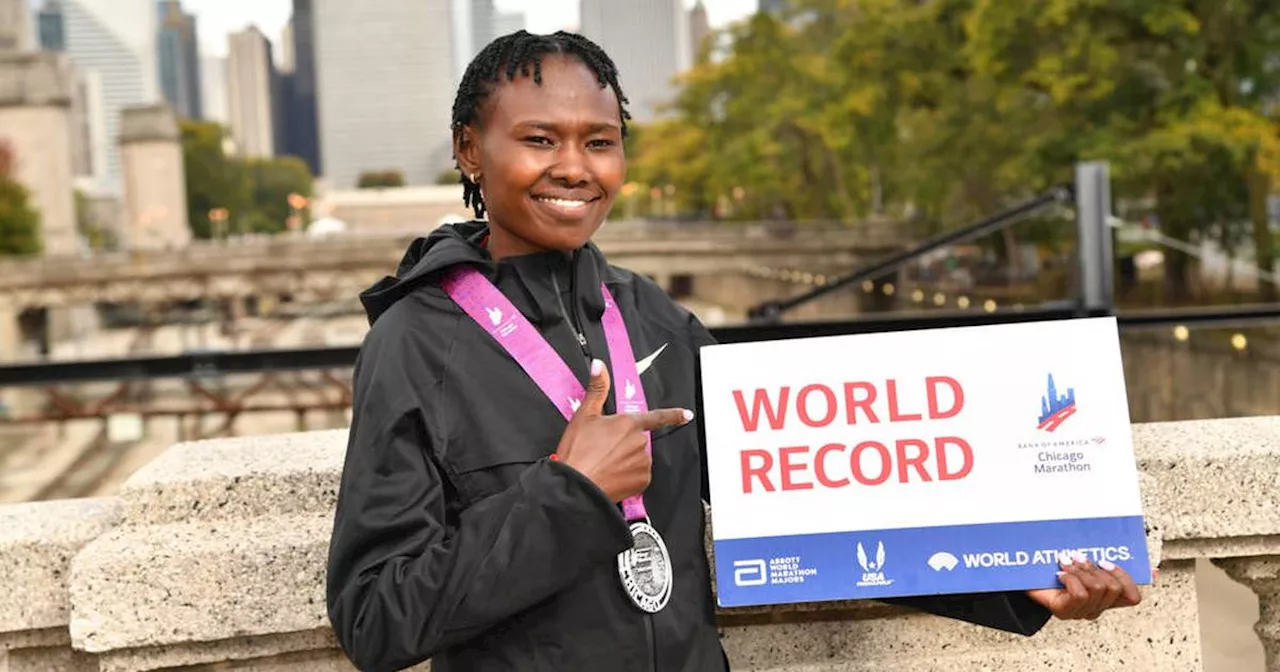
<point>1056,408</point>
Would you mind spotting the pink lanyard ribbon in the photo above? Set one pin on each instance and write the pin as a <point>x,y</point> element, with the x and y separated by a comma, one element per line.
<point>496,314</point>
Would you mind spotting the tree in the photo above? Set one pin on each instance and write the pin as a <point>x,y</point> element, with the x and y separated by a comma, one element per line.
<point>273,181</point>
<point>254,192</point>
<point>1170,92</point>
<point>213,180</point>
<point>19,222</point>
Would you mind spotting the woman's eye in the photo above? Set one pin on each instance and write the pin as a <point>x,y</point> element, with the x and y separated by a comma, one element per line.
<point>600,143</point>
<point>538,140</point>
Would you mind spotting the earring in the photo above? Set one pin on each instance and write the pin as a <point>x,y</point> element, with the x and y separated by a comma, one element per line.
<point>475,178</point>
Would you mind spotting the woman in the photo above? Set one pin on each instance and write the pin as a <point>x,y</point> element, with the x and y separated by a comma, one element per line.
<point>501,507</point>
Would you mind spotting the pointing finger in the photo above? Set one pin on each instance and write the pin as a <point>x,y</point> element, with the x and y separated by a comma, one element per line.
<point>664,417</point>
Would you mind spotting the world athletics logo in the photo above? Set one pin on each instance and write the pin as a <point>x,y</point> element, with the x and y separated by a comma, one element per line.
<point>1056,408</point>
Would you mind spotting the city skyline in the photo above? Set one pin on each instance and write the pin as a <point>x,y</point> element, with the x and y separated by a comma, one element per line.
<point>219,18</point>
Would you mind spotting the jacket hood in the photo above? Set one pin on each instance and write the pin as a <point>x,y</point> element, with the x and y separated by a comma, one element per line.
<point>447,246</point>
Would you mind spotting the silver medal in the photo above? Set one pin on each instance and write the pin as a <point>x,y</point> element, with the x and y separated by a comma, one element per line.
<point>645,569</point>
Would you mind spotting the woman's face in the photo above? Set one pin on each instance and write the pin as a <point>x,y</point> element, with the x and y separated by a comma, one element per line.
<point>550,156</point>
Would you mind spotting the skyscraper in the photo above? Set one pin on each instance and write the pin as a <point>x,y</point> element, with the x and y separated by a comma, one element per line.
<point>483,17</point>
<point>302,137</point>
<point>385,102</point>
<point>649,42</point>
<point>287,57</point>
<point>49,27</point>
<point>179,60</point>
<point>250,85</point>
<point>213,89</point>
<point>115,42</point>
<point>505,23</point>
<point>699,28</point>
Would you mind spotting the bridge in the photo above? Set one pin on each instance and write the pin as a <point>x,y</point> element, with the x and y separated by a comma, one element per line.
<point>337,268</point>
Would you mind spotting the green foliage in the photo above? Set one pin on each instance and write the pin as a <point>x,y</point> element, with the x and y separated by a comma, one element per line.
<point>19,221</point>
<point>947,110</point>
<point>254,192</point>
<point>380,179</point>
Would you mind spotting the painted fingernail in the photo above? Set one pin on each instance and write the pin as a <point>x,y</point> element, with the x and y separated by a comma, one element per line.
<point>1107,565</point>
<point>1080,557</point>
<point>1064,559</point>
<point>1061,574</point>
<point>688,415</point>
<point>597,367</point>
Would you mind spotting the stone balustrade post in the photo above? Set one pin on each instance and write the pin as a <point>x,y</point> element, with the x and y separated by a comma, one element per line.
<point>1262,576</point>
<point>35,117</point>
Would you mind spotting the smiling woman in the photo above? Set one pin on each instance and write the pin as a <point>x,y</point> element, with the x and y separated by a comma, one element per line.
<point>503,505</point>
<point>542,155</point>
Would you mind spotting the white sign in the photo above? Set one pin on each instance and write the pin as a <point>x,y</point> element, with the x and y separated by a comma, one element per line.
<point>925,462</point>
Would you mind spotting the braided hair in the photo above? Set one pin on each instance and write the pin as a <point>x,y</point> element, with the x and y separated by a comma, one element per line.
<point>521,53</point>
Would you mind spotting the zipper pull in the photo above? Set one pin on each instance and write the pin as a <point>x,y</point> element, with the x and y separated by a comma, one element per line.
<point>582,340</point>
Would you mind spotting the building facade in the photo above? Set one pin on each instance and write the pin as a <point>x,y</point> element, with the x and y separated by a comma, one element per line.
<point>115,42</point>
<point>302,135</point>
<point>250,93</point>
<point>179,60</point>
<point>649,41</point>
<point>386,81</point>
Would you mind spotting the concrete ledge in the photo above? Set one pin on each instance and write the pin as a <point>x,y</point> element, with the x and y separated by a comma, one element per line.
<point>238,479</point>
<point>313,646</point>
<point>158,585</point>
<point>37,544</point>
<point>1216,480</point>
<point>1160,634</point>
<point>219,563</point>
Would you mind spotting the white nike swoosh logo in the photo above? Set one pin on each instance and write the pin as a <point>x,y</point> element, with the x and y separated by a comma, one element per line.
<point>644,364</point>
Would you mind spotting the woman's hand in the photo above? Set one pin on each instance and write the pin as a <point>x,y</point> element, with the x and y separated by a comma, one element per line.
<point>610,449</point>
<point>1088,589</point>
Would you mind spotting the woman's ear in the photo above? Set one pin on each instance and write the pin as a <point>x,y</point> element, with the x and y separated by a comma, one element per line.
<point>466,148</point>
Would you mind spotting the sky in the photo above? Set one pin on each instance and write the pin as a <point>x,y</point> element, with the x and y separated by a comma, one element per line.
<point>217,18</point>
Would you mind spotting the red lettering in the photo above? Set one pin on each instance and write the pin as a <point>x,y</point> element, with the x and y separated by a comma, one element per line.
<point>853,403</point>
<point>941,444</point>
<point>891,387</point>
<point>784,457</point>
<point>761,472</point>
<point>821,470</point>
<point>905,462</point>
<point>802,405</point>
<point>886,463</point>
<point>777,414</point>
<point>957,397</point>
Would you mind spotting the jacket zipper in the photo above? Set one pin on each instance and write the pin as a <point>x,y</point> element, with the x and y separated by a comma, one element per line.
<point>571,317</point>
<point>574,318</point>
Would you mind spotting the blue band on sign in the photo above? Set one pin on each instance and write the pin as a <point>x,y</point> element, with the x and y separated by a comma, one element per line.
<point>989,557</point>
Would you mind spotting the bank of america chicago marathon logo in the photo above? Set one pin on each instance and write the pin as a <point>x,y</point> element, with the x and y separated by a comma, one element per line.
<point>1056,408</point>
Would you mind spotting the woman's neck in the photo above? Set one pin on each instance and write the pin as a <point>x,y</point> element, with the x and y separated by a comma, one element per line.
<point>502,244</point>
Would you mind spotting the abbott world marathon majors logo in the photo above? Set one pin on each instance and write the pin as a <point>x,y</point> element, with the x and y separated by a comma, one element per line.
<point>782,570</point>
<point>872,568</point>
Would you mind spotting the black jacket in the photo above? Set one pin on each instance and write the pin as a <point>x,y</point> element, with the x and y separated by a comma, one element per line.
<point>456,539</point>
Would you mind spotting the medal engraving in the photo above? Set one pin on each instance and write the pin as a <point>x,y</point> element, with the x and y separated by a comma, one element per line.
<point>645,569</point>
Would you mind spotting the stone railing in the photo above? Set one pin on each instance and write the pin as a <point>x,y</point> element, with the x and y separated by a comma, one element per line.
<point>213,557</point>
